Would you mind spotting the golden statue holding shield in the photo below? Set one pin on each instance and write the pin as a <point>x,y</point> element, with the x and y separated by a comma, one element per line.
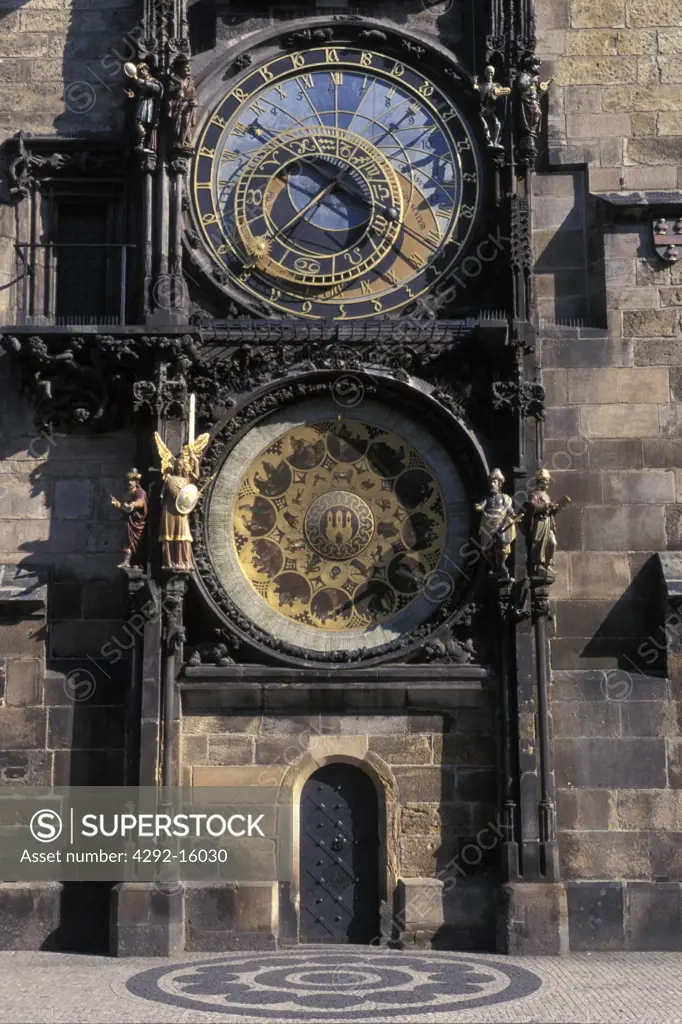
<point>178,498</point>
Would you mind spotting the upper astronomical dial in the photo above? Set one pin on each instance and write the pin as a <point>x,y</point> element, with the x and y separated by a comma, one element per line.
<point>336,182</point>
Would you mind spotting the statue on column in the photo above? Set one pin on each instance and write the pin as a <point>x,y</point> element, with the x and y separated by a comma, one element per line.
<point>182,104</point>
<point>134,508</point>
<point>539,525</point>
<point>497,531</point>
<point>529,89</point>
<point>147,92</point>
<point>179,496</point>
<point>489,92</point>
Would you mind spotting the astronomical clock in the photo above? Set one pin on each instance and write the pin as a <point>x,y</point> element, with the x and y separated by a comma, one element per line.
<point>336,182</point>
<point>338,175</point>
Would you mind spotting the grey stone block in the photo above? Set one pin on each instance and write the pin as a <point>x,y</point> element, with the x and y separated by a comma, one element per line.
<point>562,422</point>
<point>596,916</point>
<point>606,352</point>
<point>591,685</point>
<point>144,921</point>
<point>654,916</point>
<point>574,718</point>
<point>662,452</point>
<point>428,785</point>
<point>624,528</point>
<point>619,453</point>
<point>587,809</point>
<point>66,601</point>
<point>609,855</point>
<point>73,499</point>
<point>85,728</point>
<point>23,587</point>
<point>24,682</point>
<point>606,763</point>
<point>88,767</point>
<point>648,718</point>
<point>477,784</point>
<point>29,914</point>
<point>22,728</point>
<point>532,919</point>
<point>30,768</point>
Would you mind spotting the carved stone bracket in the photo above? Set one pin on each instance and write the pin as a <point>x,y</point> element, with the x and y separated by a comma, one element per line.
<point>88,379</point>
<point>173,629</point>
<point>34,161</point>
<point>520,396</point>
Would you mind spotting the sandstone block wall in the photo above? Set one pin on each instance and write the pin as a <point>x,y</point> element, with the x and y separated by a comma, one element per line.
<point>443,767</point>
<point>613,438</point>
<point>616,105</point>
<point>61,706</point>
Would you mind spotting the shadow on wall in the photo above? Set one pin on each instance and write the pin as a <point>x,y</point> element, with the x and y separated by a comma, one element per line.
<point>76,55</point>
<point>55,514</point>
<point>632,636</point>
<point>561,265</point>
<point>468,858</point>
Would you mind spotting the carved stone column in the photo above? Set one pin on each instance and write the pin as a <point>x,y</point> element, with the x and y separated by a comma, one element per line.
<point>173,640</point>
<point>549,863</point>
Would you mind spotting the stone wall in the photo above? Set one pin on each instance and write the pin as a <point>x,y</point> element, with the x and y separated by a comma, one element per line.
<point>61,707</point>
<point>616,104</point>
<point>613,444</point>
<point>444,767</point>
<point>61,64</point>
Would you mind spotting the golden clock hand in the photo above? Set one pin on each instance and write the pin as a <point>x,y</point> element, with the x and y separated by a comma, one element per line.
<point>313,202</point>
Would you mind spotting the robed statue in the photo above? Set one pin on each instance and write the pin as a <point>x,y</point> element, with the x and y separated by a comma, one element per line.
<point>182,104</point>
<point>134,508</point>
<point>179,496</point>
<point>530,89</point>
<point>497,531</point>
<point>539,524</point>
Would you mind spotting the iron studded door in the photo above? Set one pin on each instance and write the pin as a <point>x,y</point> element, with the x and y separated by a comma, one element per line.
<point>339,856</point>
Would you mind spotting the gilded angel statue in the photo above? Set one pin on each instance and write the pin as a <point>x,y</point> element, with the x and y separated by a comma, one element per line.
<point>178,498</point>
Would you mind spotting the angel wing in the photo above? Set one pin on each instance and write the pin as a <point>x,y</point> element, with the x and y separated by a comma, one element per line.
<point>165,454</point>
<point>199,446</point>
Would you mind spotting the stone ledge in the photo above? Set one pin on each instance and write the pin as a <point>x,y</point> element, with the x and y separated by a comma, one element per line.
<point>23,589</point>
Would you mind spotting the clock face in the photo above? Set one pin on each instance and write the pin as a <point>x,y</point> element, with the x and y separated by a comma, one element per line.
<point>330,533</point>
<point>336,182</point>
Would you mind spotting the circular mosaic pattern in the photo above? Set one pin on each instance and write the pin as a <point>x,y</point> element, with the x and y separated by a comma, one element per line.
<point>343,985</point>
<point>338,558</point>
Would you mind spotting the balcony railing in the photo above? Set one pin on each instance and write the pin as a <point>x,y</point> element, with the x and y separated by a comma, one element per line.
<point>72,284</point>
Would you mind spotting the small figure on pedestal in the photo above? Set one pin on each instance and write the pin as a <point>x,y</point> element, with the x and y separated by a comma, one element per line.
<point>134,507</point>
<point>489,92</point>
<point>539,525</point>
<point>530,88</point>
<point>147,92</point>
<point>182,104</point>
<point>497,531</point>
<point>179,496</point>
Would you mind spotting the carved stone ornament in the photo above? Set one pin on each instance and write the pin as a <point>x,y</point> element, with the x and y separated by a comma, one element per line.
<point>36,161</point>
<point>520,396</point>
<point>667,237</point>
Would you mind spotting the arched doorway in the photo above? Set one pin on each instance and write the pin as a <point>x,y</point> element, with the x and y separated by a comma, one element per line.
<point>339,856</point>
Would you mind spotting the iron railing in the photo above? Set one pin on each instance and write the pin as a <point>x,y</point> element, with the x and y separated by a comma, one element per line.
<point>54,288</point>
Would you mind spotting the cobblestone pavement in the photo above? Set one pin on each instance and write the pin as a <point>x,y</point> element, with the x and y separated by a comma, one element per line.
<point>350,985</point>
